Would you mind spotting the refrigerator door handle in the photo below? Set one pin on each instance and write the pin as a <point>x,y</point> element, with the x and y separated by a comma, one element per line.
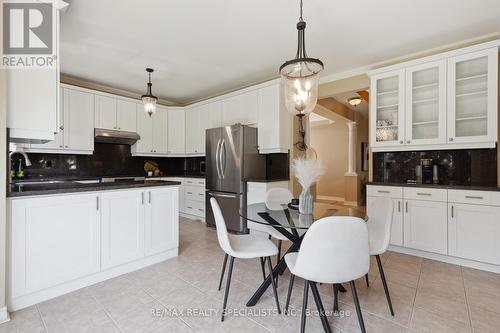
<point>217,158</point>
<point>222,195</point>
<point>223,159</point>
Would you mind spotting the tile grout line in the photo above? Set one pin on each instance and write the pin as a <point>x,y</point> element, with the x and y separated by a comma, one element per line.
<point>41,318</point>
<point>466,299</point>
<point>416,292</point>
<point>106,312</point>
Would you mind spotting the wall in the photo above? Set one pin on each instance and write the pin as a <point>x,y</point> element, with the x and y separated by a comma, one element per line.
<point>331,144</point>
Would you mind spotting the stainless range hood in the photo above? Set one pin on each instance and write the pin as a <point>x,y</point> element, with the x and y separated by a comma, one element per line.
<point>114,136</point>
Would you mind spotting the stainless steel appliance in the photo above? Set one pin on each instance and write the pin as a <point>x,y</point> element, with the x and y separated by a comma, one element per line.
<point>232,157</point>
<point>115,136</point>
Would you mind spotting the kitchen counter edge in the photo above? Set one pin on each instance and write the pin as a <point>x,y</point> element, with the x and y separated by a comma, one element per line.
<point>444,187</point>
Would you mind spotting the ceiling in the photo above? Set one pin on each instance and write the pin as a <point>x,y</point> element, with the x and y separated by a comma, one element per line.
<point>362,108</point>
<point>202,48</point>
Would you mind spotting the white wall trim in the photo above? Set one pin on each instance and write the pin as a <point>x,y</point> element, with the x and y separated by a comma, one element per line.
<point>448,259</point>
<point>64,288</point>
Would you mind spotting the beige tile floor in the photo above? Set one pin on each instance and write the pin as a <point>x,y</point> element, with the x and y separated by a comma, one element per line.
<point>428,296</point>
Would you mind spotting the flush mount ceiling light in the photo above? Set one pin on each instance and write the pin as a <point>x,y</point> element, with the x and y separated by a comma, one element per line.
<point>354,101</point>
<point>300,78</point>
<point>149,99</point>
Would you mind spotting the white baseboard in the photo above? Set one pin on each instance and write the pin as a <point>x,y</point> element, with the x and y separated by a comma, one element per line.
<point>329,198</point>
<point>448,259</point>
<point>192,217</point>
<point>4,315</point>
<point>64,288</point>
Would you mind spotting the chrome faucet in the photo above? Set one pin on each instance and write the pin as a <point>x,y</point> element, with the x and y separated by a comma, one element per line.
<point>26,158</point>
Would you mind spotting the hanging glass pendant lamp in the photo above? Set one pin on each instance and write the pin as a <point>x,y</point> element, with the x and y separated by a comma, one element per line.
<point>149,99</point>
<point>301,76</point>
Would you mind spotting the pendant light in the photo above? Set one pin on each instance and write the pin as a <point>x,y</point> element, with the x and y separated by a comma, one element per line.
<point>149,99</point>
<point>354,101</point>
<point>300,78</point>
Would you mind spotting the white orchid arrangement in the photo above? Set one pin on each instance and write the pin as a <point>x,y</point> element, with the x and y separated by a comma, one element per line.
<point>307,171</point>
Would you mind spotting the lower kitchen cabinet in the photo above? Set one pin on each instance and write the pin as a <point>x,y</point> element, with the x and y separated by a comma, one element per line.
<point>122,227</point>
<point>397,220</point>
<point>52,240</point>
<point>425,226</point>
<point>162,212</point>
<point>474,232</point>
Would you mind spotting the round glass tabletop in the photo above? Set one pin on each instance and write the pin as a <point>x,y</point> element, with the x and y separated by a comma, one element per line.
<point>291,218</point>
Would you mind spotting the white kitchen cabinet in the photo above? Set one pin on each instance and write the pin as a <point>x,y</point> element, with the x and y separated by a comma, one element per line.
<point>426,103</point>
<point>474,232</point>
<point>126,115</point>
<point>153,132</point>
<point>397,219</point>
<point>32,100</point>
<point>176,132</point>
<point>105,112</point>
<point>52,240</point>
<point>122,219</point>
<point>162,215</point>
<point>215,115</point>
<point>274,125</point>
<point>425,225</point>
<point>76,135</point>
<point>242,108</point>
<point>197,121</point>
<point>472,97</point>
<point>182,200</point>
<point>387,109</point>
<point>160,130</point>
<point>145,130</point>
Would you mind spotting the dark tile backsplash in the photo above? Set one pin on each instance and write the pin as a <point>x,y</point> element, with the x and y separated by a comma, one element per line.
<point>476,167</point>
<point>107,160</point>
<point>277,167</point>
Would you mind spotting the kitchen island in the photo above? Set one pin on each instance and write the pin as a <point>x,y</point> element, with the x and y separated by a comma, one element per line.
<point>68,235</point>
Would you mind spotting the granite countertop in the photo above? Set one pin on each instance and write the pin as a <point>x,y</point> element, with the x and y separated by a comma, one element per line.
<point>177,176</point>
<point>20,190</point>
<point>261,180</point>
<point>447,187</point>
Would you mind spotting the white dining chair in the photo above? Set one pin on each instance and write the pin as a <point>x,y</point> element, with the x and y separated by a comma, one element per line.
<point>334,250</point>
<point>275,199</point>
<point>241,247</point>
<point>379,235</point>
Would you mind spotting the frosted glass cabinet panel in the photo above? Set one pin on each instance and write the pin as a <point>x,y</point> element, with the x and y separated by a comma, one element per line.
<point>472,93</point>
<point>426,103</point>
<point>388,119</point>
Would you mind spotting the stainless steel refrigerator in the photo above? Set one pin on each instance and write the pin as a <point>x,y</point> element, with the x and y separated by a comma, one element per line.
<point>232,157</point>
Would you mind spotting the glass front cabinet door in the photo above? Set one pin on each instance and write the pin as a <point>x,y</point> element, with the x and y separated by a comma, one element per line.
<point>426,103</point>
<point>472,97</point>
<point>387,101</point>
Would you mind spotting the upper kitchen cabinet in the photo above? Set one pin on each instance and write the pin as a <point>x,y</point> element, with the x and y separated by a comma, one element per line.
<point>472,97</point>
<point>242,108</point>
<point>34,119</point>
<point>449,101</point>
<point>176,132</point>
<point>426,103</point>
<point>274,121</point>
<point>153,132</point>
<point>197,121</point>
<point>115,113</point>
<point>387,109</point>
<point>76,129</point>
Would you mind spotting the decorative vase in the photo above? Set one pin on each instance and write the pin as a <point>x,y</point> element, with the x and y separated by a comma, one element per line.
<point>305,201</point>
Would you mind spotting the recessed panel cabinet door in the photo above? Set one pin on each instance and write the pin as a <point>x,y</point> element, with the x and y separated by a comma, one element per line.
<point>397,220</point>
<point>122,227</point>
<point>145,130</point>
<point>425,226</point>
<point>176,131</point>
<point>160,123</point>
<point>78,120</point>
<point>54,240</point>
<point>126,117</point>
<point>474,232</point>
<point>162,220</point>
<point>105,112</point>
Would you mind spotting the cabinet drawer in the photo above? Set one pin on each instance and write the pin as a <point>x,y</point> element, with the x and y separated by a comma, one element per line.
<point>426,194</point>
<point>490,198</point>
<point>195,182</point>
<point>385,191</point>
<point>196,208</point>
<point>195,193</point>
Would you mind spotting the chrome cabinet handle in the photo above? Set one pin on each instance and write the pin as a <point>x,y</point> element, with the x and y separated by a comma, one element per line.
<point>408,141</point>
<point>426,194</point>
<point>451,139</point>
<point>222,195</point>
<point>452,211</point>
<point>189,207</point>
<point>189,192</point>
<point>473,197</point>
<point>401,142</point>
<point>149,197</point>
<point>380,191</point>
<point>97,202</point>
<point>406,206</point>
<point>399,206</point>
<point>142,198</point>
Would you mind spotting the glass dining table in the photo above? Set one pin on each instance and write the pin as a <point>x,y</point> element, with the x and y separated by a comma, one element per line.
<point>293,225</point>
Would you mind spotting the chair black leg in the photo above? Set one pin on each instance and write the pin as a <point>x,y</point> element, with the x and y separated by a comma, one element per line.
<point>270,266</point>
<point>262,265</point>
<point>321,309</point>
<point>289,294</point>
<point>304,307</point>
<point>223,271</point>
<point>358,308</point>
<point>335,297</point>
<point>279,252</point>
<point>384,282</point>
<point>367,281</point>
<point>228,284</point>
